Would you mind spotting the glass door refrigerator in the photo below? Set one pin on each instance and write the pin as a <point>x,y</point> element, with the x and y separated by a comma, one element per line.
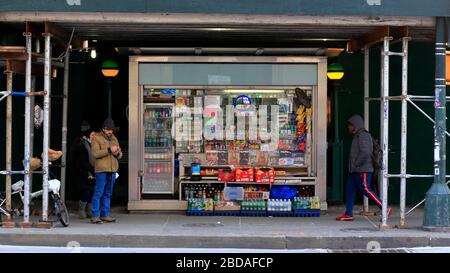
<point>158,149</point>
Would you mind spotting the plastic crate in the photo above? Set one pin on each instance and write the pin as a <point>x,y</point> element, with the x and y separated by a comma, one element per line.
<point>280,213</point>
<point>227,213</point>
<point>253,213</point>
<point>306,212</point>
<point>199,213</point>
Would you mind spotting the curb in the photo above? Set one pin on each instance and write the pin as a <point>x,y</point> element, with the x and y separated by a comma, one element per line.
<point>249,242</point>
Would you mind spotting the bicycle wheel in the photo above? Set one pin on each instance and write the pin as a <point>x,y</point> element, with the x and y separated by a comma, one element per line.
<point>62,214</point>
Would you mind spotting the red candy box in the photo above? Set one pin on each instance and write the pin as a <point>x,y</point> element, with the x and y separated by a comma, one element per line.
<point>226,176</point>
<point>264,175</point>
<point>244,174</point>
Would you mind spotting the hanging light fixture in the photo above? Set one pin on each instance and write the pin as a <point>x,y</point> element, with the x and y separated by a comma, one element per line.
<point>110,69</point>
<point>93,53</point>
<point>335,72</point>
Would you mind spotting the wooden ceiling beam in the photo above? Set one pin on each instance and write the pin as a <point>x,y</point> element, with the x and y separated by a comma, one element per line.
<point>377,36</point>
<point>61,35</point>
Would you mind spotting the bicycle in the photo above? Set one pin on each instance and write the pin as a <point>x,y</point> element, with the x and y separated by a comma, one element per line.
<point>61,212</point>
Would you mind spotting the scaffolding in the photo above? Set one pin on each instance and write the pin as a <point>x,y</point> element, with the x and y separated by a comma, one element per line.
<point>12,54</point>
<point>384,100</point>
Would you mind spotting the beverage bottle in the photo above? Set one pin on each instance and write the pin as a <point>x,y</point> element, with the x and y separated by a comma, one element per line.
<point>186,192</point>
<point>269,205</point>
<point>289,205</point>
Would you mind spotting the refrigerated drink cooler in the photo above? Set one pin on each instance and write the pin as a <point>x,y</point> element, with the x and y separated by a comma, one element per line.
<point>158,151</point>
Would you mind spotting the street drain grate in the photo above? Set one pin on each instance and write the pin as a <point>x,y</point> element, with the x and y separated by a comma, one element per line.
<point>203,225</point>
<point>360,230</point>
<point>369,251</point>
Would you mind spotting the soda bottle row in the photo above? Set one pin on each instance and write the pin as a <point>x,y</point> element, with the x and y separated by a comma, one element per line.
<point>253,205</point>
<point>203,191</point>
<point>279,205</point>
<point>151,140</point>
<point>306,191</point>
<point>157,125</point>
<point>156,168</point>
<point>158,155</point>
<point>157,113</point>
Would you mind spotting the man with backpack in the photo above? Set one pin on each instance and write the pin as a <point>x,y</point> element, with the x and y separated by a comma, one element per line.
<point>362,161</point>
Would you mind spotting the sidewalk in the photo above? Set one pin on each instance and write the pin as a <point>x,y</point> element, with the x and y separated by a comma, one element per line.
<point>177,230</point>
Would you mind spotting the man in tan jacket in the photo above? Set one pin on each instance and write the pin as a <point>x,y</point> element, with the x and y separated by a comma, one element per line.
<point>106,151</point>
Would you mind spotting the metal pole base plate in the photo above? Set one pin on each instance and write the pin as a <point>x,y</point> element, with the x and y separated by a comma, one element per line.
<point>386,227</point>
<point>369,213</point>
<point>26,225</point>
<point>437,207</point>
<point>8,224</point>
<point>46,225</point>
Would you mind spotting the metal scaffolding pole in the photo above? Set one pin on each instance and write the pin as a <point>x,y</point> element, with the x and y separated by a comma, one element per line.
<point>9,85</point>
<point>37,49</point>
<point>385,126</point>
<point>32,99</point>
<point>27,155</point>
<point>64,125</point>
<point>404,129</point>
<point>46,131</point>
<point>366,104</point>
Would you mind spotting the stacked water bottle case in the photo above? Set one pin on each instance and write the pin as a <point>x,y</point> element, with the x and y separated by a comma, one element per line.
<point>296,207</point>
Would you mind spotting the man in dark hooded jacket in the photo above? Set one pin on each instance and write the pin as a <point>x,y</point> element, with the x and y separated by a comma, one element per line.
<point>360,167</point>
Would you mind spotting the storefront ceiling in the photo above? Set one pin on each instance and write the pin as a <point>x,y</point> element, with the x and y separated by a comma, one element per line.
<point>221,31</point>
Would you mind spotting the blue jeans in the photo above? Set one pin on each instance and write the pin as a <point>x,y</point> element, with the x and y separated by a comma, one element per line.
<point>101,200</point>
<point>361,181</point>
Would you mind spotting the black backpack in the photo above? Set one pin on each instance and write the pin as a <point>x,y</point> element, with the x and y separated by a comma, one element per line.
<point>377,155</point>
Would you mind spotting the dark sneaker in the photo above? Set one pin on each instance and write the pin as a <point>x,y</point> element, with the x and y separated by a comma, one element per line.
<point>108,219</point>
<point>96,220</point>
<point>345,217</point>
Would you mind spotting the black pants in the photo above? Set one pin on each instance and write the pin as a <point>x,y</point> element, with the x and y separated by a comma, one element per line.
<point>87,191</point>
